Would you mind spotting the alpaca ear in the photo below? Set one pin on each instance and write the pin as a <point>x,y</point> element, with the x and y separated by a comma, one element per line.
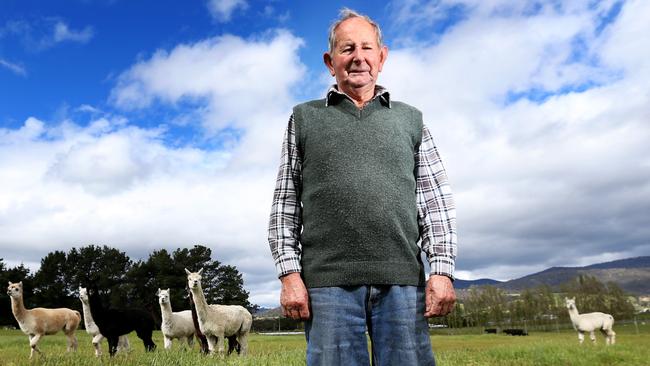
<point>10,283</point>
<point>167,289</point>
<point>158,292</point>
<point>188,272</point>
<point>200,271</point>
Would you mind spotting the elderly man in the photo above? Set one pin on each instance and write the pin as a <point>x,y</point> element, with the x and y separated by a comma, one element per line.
<point>360,185</point>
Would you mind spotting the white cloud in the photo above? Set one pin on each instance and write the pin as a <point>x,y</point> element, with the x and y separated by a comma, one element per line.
<point>238,83</point>
<point>547,182</point>
<point>109,182</point>
<point>15,68</point>
<point>63,33</point>
<point>537,183</point>
<point>41,34</point>
<point>113,183</point>
<point>222,10</point>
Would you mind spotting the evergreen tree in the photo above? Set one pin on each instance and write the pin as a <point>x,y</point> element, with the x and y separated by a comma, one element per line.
<point>103,267</point>
<point>15,274</point>
<point>51,283</point>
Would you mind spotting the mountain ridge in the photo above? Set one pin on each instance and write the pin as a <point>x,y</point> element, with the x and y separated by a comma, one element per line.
<point>631,274</point>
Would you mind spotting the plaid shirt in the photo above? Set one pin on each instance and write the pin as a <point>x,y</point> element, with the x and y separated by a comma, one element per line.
<point>435,205</point>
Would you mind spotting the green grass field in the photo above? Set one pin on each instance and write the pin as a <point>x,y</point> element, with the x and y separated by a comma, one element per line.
<point>550,349</point>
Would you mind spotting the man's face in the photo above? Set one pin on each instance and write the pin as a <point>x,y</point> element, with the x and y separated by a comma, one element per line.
<point>356,59</point>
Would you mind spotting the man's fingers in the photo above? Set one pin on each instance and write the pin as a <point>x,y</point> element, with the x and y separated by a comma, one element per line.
<point>295,314</point>
<point>440,296</point>
<point>304,311</point>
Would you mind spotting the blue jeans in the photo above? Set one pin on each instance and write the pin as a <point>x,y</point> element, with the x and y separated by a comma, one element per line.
<point>392,315</point>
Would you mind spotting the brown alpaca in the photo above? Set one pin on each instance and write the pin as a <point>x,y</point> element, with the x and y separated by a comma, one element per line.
<point>38,322</point>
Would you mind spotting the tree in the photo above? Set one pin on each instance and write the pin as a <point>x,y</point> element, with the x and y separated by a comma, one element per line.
<point>124,282</point>
<point>15,274</point>
<point>592,295</point>
<point>51,283</point>
<point>103,267</point>
<point>222,284</point>
<point>620,306</point>
<point>230,289</point>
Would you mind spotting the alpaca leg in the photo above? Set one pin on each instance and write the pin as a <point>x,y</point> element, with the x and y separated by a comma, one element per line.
<point>243,344</point>
<point>168,342</point>
<point>592,336</point>
<point>211,343</point>
<point>581,337</point>
<point>72,341</point>
<point>97,343</point>
<point>123,343</point>
<point>220,342</point>
<point>145,335</point>
<point>190,340</point>
<point>232,343</point>
<point>112,345</point>
<point>611,336</point>
<point>33,343</point>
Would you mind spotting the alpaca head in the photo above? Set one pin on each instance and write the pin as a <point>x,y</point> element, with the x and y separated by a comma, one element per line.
<point>83,295</point>
<point>194,278</point>
<point>570,303</point>
<point>15,290</point>
<point>163,296</point>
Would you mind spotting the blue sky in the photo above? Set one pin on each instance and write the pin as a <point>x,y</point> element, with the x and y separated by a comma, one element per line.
<point>144,125</point>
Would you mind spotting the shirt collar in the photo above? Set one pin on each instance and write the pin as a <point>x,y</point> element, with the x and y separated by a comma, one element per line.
<point>380,92</point>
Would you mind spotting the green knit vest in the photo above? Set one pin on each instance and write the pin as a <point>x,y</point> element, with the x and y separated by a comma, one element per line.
<point>359,209</point>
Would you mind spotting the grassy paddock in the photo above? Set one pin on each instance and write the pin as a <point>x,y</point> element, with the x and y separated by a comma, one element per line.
<point>537,349</point>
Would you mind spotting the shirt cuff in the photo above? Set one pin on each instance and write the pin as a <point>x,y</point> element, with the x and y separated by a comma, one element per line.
<point>287,264</point>
<point>443,266</point>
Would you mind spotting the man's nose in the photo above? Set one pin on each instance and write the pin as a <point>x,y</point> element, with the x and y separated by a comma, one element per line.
<point>357,57</point>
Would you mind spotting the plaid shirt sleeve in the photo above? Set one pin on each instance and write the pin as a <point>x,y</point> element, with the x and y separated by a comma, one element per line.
<point>285,222</point>
<point>436,211</point>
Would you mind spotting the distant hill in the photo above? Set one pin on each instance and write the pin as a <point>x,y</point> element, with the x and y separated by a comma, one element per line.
<point>632,275</point>
<point>464,284</point>
<point>269,313</point>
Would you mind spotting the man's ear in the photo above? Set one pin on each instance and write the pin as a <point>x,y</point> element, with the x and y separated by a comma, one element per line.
<point>383,55</point>
<point>327,59</point>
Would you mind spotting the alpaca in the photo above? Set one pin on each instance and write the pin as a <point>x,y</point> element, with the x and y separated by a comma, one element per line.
<point>38,322</point>
<point>174,325</point>
<point>93,330</point>
<point>219,321</point>
<point>113,323</point>
<point>590,322</point>
<point>233,345</point>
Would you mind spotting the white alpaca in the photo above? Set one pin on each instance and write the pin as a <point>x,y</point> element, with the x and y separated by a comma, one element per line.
<point>177,325</point>
<point>590,322</point>
<point>93,329</point>
<point>38,322</point>
<point>219,321</point>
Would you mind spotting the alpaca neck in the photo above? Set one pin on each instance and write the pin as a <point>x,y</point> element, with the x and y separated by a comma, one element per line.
<point>88,316</point>
<point>18,308</point>
<point>573,314</point>
<point>199,302</point>
<point>166,311</point>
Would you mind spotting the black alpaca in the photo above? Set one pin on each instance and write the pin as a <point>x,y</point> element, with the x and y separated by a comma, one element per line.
<point>113,323</point>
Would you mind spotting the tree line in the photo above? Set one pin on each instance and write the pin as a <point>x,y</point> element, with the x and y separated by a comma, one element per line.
<point>539,308</point>
<point>125,282</point>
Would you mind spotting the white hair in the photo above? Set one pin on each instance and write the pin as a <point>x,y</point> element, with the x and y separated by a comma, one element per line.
<point>346,14</point>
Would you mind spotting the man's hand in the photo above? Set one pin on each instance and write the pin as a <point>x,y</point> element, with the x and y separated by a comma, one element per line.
<point>440,296</point>
<point>294,298</point>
